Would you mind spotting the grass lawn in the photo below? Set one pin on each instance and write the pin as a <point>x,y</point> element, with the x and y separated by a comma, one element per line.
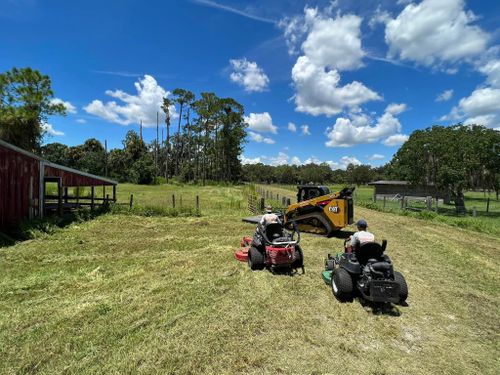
<point>162,295</point>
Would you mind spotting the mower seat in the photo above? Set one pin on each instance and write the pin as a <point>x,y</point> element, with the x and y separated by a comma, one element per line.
<point>274,231</point>
<point>369,251</point>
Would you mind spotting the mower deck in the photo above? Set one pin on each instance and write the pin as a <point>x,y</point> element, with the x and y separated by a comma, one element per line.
<point>327,277</point>
<point>242,253</point>
<point>252,219</point>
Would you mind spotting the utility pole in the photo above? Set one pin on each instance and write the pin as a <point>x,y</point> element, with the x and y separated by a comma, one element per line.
<point>157,145</point>
<point>105,158</point>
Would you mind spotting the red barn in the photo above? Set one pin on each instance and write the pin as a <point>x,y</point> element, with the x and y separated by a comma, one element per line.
<point>23,178</point>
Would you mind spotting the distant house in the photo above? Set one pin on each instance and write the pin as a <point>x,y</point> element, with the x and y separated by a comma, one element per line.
<point>23,178</point>
<point>405,189</point>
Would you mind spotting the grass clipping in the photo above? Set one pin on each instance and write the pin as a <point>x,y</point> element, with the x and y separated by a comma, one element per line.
<point>153,294</point>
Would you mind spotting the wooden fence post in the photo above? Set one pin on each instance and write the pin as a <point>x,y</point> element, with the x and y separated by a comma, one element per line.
<point>488,205</point>
<point>262,204</point>
<point>384,201</point>
<point>197,205</point>
<point>60,197</point>
<point>428,202</point>
<point>92,202</point>
<point>131,203</point>
<point>474,211</point>
<point>65,194</point>
<point>114,193</point>
<point>173,200</point>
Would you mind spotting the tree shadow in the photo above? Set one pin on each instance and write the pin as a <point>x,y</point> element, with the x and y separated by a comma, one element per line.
<point>29,229</point>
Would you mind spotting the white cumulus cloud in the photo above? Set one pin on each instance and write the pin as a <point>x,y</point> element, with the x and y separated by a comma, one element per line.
<point>256,137</point>
<point>481,107</point>
<point>395,140</point>
<point>346,132</point>
<point>492,70</point>
<point>335,43</point>
<point>245,160</point>
<point>319,92</point>
<point>70,108</point>
<point>331,45</point>
<point>434,32</point>
<point>49,129</point>
<point>305,130</point>
<point>142,106</point>
<point>346,160</point>
<point>395,108</point>
<point>292,127</point>
<point>249,75</point>
<point>261,122</point>
<point>376,157</point>
<point>445,96</point>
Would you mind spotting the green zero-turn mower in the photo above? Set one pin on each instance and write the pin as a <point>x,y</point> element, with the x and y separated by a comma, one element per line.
<point>365,272</point>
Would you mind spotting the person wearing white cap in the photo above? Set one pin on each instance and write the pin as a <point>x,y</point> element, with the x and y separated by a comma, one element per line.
<point>269,217</point>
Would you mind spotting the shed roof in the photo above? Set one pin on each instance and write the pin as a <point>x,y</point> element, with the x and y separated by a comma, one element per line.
<point>56,166</point>
<point>385,182</point>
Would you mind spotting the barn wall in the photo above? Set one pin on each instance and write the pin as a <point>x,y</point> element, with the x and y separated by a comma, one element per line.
<point>15,172</point>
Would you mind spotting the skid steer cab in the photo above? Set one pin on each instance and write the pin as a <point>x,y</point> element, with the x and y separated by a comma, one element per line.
<point>319,211</point>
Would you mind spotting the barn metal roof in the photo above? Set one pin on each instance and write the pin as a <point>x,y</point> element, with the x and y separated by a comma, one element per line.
<point>54,165</point>
<point>385,182</point>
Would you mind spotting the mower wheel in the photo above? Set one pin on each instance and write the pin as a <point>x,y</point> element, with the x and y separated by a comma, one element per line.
<point>299,258</point>
<point>255,259</point>
<point>403,287</point>
<point>342,287</point>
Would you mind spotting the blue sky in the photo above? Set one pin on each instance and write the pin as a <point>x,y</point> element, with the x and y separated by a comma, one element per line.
<point>354,78</point>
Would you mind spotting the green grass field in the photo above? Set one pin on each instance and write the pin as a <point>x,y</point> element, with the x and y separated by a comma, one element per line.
<point>125,293</point>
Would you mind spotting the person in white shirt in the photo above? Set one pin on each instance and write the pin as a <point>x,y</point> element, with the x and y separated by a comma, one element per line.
<point>269,217</point>
<point>361,237</point>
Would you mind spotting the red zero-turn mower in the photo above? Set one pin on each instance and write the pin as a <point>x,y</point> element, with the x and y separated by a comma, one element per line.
<point>272,247</point>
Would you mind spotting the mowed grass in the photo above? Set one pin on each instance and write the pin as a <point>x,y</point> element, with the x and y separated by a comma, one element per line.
<point>160,295</point>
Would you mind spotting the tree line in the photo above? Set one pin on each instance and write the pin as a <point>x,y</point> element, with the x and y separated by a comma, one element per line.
<point>204,144</point>
<point>453,158</point>
<point>312,173</point>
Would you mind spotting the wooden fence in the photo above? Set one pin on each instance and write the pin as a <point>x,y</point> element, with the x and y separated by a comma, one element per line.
<point>258,201</point>
<point>175,202</point>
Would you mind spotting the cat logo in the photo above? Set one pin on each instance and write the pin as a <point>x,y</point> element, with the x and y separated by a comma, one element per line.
<point>334,209</point>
